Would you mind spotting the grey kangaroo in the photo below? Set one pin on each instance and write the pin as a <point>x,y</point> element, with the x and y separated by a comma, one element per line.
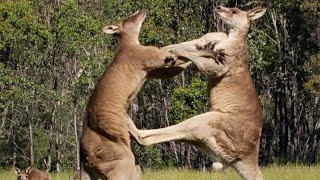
<point>230,132</point>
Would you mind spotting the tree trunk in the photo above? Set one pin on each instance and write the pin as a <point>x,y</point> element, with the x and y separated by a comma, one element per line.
<point>31,143</point>
<point>13,129</point>
<point>52,125</point>
<point>58,150</point>
<point>189,156</point>
<point>172,143</point>
<point>77,156</point>
<point>3,120</point>
<point>203,163</point>
<point>14,147</point>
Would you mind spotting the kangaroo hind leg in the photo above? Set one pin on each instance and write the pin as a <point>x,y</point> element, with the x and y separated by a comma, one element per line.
<point>248,170</point>
<point>193,129</point>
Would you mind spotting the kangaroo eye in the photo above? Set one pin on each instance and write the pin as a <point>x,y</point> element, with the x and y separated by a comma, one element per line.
<point>234,12</point>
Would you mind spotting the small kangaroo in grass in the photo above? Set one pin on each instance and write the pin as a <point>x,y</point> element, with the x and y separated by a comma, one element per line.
<point>105,142</point>
<point>31,173</point>
<point>230,132</point>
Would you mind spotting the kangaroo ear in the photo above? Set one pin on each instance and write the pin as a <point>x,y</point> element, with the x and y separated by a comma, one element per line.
<point>28,170</point>
<point>111,29</point>
<point>256,13</point>
<point>17,171</point>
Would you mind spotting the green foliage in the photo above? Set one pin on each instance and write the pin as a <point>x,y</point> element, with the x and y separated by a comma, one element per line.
<point>21,31</point>
<point>190,100</point>
<point>151,157</point>
<point>313,84</point>
<point>75,28</point>
<point>263,52</point>
<point>41,141</point>
<point>39,57</point>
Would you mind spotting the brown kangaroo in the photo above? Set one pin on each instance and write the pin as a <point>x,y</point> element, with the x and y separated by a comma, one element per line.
<point>105,143</point>
<point>31,173</point>
<point>230,132</point>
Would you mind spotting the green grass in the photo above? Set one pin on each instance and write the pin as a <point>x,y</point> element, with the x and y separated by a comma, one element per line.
<point>10,175</point>
<point>290,172</point>
<point>274,172</point>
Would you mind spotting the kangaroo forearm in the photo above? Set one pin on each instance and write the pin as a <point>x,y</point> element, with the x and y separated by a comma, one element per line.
<point>168,72</point>
<point>187,46</point>
<point>214,37</point>
<point>206,65</point>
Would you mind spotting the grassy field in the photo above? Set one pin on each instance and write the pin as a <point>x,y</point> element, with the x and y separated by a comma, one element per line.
<point>269,173</point>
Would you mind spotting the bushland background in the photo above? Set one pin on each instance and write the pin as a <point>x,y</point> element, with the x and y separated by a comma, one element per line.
<point>52,53</point>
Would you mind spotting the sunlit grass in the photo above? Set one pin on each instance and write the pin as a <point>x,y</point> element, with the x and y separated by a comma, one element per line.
<point>10,175</point>
<point>274,172</point>
<point>183,174</point>
<point>4,175</point>
<point>62,176</point>
<point>290,172</point>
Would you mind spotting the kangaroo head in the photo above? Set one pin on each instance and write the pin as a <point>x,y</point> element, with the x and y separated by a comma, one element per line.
<point>129,27</point>
<point>22,175</point>
<point>237,18</point>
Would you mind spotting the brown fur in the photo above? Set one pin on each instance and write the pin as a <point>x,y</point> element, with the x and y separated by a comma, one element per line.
<point>105,142</point>
<point>230,132</point>
<point>31,173</point>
